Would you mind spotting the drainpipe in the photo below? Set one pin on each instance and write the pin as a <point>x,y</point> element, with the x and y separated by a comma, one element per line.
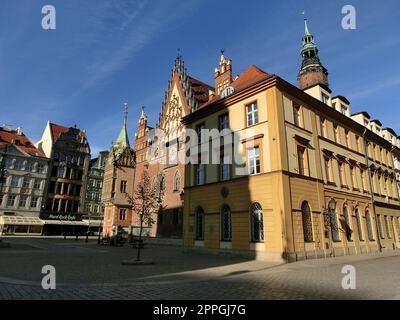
<point>372,191</point>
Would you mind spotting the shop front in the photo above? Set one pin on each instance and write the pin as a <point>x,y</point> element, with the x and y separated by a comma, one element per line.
<point>19,225</point>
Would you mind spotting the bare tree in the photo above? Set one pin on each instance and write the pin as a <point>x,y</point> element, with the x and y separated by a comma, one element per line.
<point>145,202</point>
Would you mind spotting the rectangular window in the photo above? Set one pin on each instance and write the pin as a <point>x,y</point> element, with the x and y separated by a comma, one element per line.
<point>323,127</point>
<point>123,186</point>
<point>223,121</point>
<point>328,169</point>
<point>324,98</point>
<point>14,181</point>
<point>200,174</point>
<point>26,182</point>
<point>60,172</point>
<point>10,201</point>
<point>363,180</point>
<point>253,158</point>
<point>297,114</point>
<point>37,184</point>
<point>342,174</point>
<point>29,166</point>
<point>348,139</point>
<point>354,177</point>
<point>225,168</point>
<point>358,143</point>
<point>22,201</point>
<point>40,168</point>
<point>9,163</point>
<point>336,133</point>
<point>18,165</point>
<point>34,202</point>
<point>302,160</point>
<point>200,129</point>
<point>122,214</point>
<point>252,114</point>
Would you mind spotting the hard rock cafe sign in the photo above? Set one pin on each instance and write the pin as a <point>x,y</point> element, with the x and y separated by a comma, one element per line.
<point>69,217</point>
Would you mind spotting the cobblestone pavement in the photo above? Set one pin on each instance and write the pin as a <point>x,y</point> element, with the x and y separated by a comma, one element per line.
<point>88,271</point>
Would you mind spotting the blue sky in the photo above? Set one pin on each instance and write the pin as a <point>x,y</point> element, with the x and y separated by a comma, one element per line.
<point>106,52</point>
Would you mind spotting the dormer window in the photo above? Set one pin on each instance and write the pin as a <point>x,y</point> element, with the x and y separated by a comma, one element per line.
<point>324,98</point>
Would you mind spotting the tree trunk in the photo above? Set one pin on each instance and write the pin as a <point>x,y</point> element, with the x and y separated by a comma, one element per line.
<point>140,233</point>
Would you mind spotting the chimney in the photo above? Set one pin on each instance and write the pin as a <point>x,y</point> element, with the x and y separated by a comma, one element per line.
<point>19,131</point>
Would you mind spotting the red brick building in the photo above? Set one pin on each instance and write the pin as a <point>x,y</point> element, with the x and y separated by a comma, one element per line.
<point>160,158</point>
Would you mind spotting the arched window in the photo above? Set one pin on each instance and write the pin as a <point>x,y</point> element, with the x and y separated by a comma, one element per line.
<point>359,226</point>
<point>369,226</point>
<point>307,222</point>
<point>199,223</point>
<point>177,181</point>
<point>347,226</point>
<point>257,224</point>
<point>226,224</point>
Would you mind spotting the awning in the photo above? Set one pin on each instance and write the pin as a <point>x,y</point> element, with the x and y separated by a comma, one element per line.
<point>65,222</point>
<point>19,220</point>
<point>93,223</point>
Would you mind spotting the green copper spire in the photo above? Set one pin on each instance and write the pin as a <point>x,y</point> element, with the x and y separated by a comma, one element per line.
<point>123,140</point>
<point>312,71</point>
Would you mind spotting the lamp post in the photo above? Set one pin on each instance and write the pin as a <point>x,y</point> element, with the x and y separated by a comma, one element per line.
<point>331,224</point>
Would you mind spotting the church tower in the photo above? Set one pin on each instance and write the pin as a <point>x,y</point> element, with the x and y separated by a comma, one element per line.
<point>312,72</point>
<point>118,181</point>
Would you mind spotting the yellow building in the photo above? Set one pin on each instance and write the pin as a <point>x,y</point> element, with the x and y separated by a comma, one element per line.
<point>301,185</point>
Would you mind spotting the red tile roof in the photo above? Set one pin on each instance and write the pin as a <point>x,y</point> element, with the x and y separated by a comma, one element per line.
<point>56,131</point>
<point>21,141</point>
<point>200,90</point>
<point>250,76</point>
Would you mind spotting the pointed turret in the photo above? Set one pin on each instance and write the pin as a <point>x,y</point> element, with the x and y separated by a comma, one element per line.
<point>122,141</point>
<point>312,71</point>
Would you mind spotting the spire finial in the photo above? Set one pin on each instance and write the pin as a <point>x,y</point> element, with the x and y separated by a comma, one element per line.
<point>143,115</point>
<point>125,111</point>
<point>305,23</point>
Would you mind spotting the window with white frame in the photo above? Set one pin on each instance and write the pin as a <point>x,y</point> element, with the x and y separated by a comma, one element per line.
<point>252,114</point>
<point>253,158</point>
<point>22,201</point>
<point>26,182</point>
<point>37,184</point>
<point>14,181</point>
<point>10,200</point>
<point>34,202</point>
